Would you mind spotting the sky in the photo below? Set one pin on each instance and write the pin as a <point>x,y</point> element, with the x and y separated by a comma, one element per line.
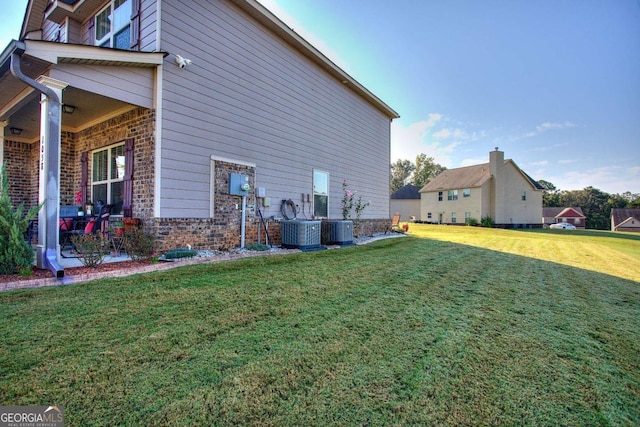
<point>555,84</point>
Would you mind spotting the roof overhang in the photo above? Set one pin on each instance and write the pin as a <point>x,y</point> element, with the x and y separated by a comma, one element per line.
<point>273,23</point>
<point>627,221</point>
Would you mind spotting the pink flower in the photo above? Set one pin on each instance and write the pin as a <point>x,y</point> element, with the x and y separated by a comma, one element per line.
<point>348,193</point>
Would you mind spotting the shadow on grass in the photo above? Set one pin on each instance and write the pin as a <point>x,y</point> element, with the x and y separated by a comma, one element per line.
<point>402,331</point>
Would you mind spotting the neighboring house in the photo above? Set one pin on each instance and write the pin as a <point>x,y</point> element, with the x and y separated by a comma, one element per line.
<point>406,202</point>
<point>498,189</point>
<point>572,216</point>
<point>125,118</point>
<point>625,219</point>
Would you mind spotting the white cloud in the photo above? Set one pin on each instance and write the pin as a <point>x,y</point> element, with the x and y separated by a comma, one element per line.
<point>548,126</point>
<point>610,179</point>
<point>544,127</point>
<point>540,163</point>
<point>409,141</point>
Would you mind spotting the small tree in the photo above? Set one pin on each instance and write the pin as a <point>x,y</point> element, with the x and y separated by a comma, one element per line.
<point>16,256</point>
<point>349,204</point>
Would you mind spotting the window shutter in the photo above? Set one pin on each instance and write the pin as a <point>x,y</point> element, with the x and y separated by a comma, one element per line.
<point>134,42</point>
<point>127,203</point>
<point>92,32</point>
<point>84,178</point>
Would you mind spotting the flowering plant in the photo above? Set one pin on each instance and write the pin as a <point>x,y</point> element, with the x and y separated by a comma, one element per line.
<point>79,197</point>
<point>349,203</point>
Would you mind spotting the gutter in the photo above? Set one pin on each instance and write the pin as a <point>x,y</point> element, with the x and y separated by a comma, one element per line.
<point>53,156</point>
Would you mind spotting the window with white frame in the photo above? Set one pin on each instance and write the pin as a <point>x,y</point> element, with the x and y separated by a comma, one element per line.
<point>113,25</point>
<point>320,194</point>
<point>107,177</point>
<point>452,195</point>
<point>524,195</point>
<point>439,196</point>
<point>454,218</point>
<point>428,215</point>
<point>466,192</point>
<point>467,217</point>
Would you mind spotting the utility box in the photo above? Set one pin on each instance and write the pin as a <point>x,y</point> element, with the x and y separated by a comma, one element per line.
<point>238,184</point>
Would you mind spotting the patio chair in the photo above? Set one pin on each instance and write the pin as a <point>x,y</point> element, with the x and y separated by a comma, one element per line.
<point>395,223</point>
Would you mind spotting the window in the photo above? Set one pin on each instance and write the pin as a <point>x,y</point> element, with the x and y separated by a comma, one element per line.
<point>320,194</point>
<point>428,215</point>
<point>113,25</point>
<point>107,177</point>
<point>467,216</point>
<point>524,195</point>
<point>466,192</point>
<point>439,196</point>
<point>454,218</point>
<point>452,195</point>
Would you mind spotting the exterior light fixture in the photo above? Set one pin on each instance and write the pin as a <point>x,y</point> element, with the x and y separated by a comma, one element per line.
<point>15,131</point>
<point>68,109</point>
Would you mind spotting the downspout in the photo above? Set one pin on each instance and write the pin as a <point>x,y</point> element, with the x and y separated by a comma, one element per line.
<point>53,178</point>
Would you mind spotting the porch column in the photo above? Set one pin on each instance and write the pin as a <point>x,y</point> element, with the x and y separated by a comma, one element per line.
<point>3,124</point>
<point>49,174</point>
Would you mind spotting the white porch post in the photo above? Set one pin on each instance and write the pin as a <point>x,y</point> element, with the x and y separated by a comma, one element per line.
<point>49,187</point>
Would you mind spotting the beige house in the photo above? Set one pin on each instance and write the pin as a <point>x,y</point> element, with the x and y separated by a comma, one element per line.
<point>152,106</point>
<point>625,219</point>
<point>498,189</point>
<point>405,202</point>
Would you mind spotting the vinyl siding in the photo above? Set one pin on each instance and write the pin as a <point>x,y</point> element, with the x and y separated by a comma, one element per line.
<point>249,96</point>
<point>128,84</point>
<point>49,30</point>
<point>148,17</point>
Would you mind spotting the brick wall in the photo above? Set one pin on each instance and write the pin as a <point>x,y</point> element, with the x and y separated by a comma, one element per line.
<point>222,232</point>
<point>138,124</point>
<point>21,167</point>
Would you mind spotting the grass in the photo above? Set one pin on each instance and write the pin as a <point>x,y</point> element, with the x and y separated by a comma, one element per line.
<point>449,326</point>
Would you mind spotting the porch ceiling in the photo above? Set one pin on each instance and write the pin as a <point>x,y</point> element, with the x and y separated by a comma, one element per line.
<point>89,108</point>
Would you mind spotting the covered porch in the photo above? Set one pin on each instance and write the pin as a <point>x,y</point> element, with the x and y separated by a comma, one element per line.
<point>74,120</point>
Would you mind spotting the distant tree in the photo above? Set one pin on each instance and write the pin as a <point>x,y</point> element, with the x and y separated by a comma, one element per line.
<point>547,185</point>
<point>550,194</point>
<point>401,171</point>
<point>426,170</point>
<point>594,204</point>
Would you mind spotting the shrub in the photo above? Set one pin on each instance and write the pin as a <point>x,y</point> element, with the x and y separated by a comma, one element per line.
<point>16,256</point>
<point>180,253</point>
<point>487,221</point>
<point>472,222</point>
<point>139,245</point>
<point>257,247</point>
<point>91,248</point>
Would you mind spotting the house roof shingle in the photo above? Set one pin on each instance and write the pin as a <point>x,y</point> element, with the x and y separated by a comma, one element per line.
<point>619,215</point>
<point>552,212</point>
<point>469,177</point>
<point>409,191</point>
<point>465,177</point>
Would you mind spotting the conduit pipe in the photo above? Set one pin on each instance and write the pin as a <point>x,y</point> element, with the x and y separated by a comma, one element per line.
<point>53,159</point>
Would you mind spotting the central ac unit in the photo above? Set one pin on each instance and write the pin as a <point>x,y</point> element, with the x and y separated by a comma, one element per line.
<point>337,232</point>
<point>304,235</point>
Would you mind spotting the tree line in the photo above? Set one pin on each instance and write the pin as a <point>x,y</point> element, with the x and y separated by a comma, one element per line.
<point>596,204</point>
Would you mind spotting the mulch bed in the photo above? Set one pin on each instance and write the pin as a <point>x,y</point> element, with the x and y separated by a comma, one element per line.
<point>106,267</point>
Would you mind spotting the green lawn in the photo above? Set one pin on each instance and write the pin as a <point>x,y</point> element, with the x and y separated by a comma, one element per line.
<point>449,326</point>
